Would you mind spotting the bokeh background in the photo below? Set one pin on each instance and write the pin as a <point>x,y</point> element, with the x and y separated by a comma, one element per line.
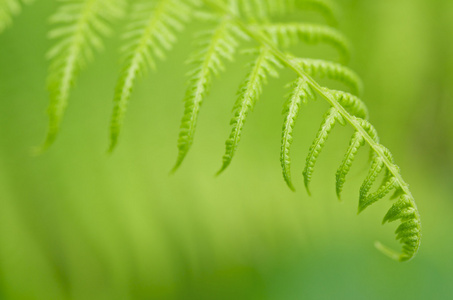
<point>76,223</point>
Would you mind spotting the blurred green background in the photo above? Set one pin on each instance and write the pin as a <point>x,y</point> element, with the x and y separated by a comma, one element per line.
<point>76,223</point>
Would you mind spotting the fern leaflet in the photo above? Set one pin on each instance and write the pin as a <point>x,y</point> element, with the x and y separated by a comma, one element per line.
<point>356,142</point>
<point>249,92</point>
<point>287,34</point>
<point>149,35</point>
<point>331,70</point>
<point>376,167</point>
<point>330,118</point>
<point>215,45</point>
<point>301,93</point>
<point>409,231</point>
<point>352,104</point>
<point>383,190</point>
<point>82,23</point>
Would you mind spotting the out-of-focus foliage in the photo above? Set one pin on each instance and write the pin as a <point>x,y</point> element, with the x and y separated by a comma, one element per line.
<point>79,28</point>
<point>77,224</point>
<point>151,30</point>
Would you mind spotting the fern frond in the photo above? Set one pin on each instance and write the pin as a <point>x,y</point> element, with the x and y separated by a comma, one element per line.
<point>81,23</point>
<point>249,92</point>
<point>330,118</point>
<point>215,45</point>
<point>8,9</point>
<point>376,167</point>
<point>150,33</point>
<point>301,93</point>
<point>331,70</point>
<point>356,142</point>
<point>388,183</point>
<point>287,34</point>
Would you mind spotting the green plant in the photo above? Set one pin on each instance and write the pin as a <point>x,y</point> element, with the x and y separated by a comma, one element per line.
<point>151,31</point>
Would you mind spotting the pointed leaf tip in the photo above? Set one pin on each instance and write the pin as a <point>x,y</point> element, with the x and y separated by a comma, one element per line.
<point>290,184</point>
<point>179,161</point>
<point>307,188</point>
<point>222,169</point>
<point>112,146</point>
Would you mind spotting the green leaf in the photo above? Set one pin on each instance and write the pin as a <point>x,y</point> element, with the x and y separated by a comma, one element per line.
<point>150,33</point>
<point>323,68</point>
<point>402,209</point>
<point>249,92</point>
<point>356,142</point>
<point>376,167</point>
<point>81,25</point>
<point>330,118</point>
<point>287,34</point>
<point>301,93</point>
<point>215,45</point>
